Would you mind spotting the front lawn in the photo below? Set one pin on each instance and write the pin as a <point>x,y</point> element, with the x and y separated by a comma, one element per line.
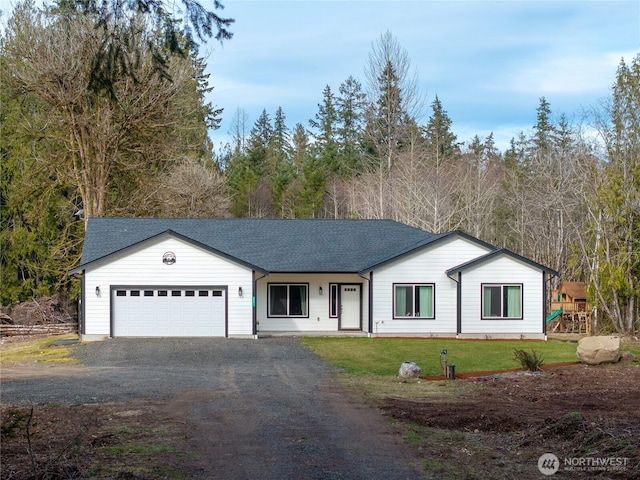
<point>383,356</point>
<point>39,350</point>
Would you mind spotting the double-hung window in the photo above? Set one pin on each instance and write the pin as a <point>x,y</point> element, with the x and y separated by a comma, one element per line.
<point>288,300</point>
<point>413,301</point>
<point>501,301</point>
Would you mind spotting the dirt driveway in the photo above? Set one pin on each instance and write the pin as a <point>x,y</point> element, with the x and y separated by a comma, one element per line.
<point>200,408</point>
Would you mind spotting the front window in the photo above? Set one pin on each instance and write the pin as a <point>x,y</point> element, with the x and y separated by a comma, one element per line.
<point>288,300</point>
<point>413,301</point>
<point>501,301</point>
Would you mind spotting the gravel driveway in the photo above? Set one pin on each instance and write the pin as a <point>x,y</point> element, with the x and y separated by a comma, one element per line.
<point>254,409</point>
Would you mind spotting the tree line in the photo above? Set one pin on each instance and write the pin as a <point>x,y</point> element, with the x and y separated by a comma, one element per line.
<point>133,142</point>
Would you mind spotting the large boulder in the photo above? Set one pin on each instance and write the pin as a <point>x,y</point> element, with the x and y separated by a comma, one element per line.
<point>409,370</point>
<point>601,349</point>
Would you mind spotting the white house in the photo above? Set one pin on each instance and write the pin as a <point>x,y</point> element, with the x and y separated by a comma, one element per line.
<point>253,277</point>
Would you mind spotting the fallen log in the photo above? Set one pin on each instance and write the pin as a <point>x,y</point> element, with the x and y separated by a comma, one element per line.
<point>51,329</point>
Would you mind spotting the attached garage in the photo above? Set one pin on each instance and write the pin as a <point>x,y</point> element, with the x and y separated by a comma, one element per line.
<point>169,311</point>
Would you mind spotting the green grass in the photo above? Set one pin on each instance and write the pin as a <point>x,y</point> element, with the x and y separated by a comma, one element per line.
<point>383,356</point>
<point>633,348</point>
<point>41,350</point>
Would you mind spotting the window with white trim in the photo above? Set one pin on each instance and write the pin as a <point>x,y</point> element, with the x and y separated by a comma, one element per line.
<point>288,300</point>
<point>501,301</point>
<point>414,300</point>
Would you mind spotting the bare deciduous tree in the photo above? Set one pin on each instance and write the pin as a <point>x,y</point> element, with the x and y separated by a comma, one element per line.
<point>194,190</point>
<point>103,143</point>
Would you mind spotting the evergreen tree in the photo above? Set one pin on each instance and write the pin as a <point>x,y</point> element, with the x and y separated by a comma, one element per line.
<point>351,106</point>
<point>281,169</point>
<point>314,184</point>
<point>439,139</point>
<point>301,147</point>
<point>40,237</point>
<point>260,143</point>
<point>387,121</point>
<point>117,29</point>
<point>280,137</point>
<point>246,172</point>
<point>544,136</point>
<point>325,124</point>
<point>393,101</point>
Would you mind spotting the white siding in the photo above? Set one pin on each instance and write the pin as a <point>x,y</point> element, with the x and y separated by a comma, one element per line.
<point>426,266</point>
<point>142,266</point>
<point>318,319</point>
<point>502,270</point>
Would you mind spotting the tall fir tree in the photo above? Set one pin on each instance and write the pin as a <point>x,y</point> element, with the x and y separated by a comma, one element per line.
<point>351,105</point>
<point>440,141</point>
<point>246,172</point>
<point>544,136</point>
<point>259,143</point>
<point>325,125</point>
<point>386,121</point>
<point>393,101</point>
<point>282,171</point>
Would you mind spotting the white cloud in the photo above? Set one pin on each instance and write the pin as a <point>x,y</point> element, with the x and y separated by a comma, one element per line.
<point>577,74</point>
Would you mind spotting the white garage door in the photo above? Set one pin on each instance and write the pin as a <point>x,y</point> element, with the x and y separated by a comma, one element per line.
<point>169,312</point>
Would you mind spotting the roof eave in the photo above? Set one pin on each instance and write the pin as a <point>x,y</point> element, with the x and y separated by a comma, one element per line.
<point>427,243</point>
<point>496,253</point>
<point>80,268</point>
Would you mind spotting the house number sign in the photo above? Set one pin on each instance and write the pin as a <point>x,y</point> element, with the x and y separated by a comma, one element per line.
<point>169,258</point>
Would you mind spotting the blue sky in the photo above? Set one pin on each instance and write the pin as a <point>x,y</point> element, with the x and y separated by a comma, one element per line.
<point>489,62</point>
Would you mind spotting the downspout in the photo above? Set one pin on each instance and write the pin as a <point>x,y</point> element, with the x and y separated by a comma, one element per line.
<point>81,310</point>
<point>459,306</point>
<point>544,303</point>
<point>254,312</point>
<point>458,303</point>
<point>82,329</point>
<point>370,283</point>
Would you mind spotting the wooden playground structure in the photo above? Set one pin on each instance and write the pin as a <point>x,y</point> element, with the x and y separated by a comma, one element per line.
<point>571,313</point>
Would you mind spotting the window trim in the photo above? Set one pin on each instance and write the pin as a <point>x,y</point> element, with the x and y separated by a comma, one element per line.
<point>502,285</point>
<point>288,285</point>
<point>414,285</point>
<point>334,300</point>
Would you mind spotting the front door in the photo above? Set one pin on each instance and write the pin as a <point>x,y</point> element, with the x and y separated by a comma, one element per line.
<point>350,311</point>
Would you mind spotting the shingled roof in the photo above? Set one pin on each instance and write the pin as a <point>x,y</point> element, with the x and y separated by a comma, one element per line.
<point>272,245</point>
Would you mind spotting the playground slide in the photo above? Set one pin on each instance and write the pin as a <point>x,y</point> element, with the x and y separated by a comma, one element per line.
<point>554,315</point>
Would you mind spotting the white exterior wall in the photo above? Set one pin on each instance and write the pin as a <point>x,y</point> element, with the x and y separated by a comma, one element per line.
<point>502,270</point>
<point>319,319</point>
<point>142,266</point>
<point>426,266</point>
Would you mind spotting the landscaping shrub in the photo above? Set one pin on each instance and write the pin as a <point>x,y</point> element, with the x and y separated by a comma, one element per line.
<point>530,361</point>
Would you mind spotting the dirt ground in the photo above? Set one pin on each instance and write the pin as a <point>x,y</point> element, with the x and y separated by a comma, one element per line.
<point>490,427</point>
<point>588,417</point>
